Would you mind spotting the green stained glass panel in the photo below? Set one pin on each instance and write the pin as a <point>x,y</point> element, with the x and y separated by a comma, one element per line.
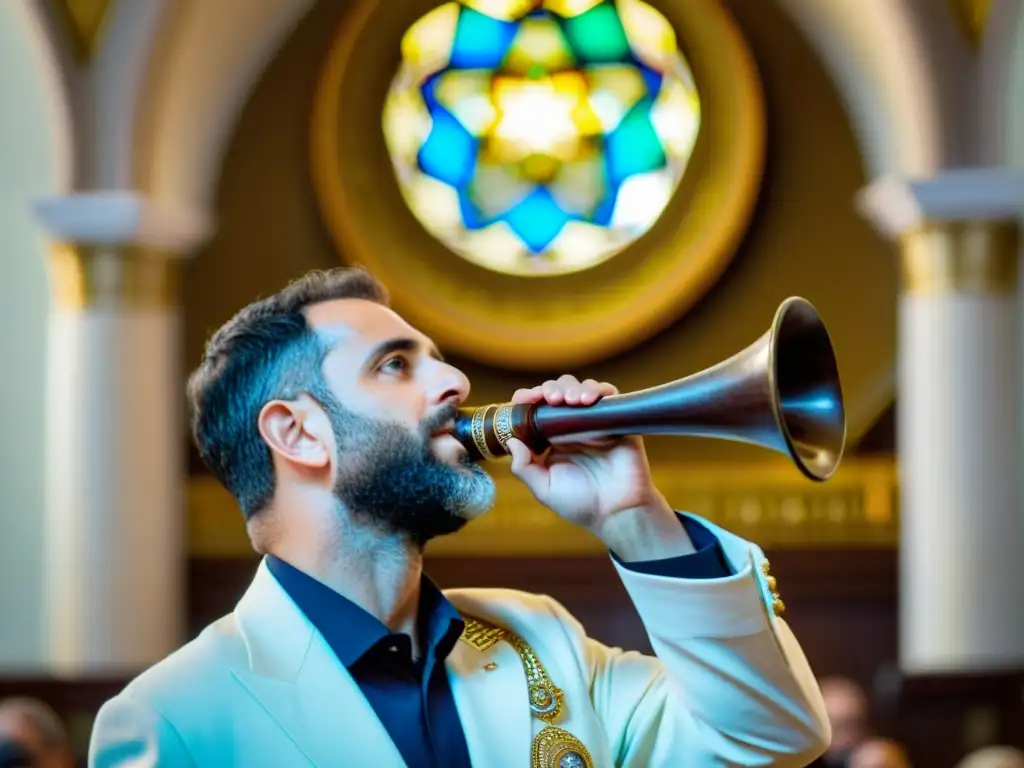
<point>634,147</point>
<point>597,36</point>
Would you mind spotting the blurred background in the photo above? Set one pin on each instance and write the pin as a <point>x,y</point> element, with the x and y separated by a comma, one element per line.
<point>621,190</point>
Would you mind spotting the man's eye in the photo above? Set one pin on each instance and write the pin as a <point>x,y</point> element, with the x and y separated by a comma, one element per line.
<point>396,364</point>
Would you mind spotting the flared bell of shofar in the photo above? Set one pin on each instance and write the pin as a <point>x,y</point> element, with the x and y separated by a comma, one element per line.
<point>781,393</point>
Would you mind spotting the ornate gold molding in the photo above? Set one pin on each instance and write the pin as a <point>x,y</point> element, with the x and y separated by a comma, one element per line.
<point>961,257</point>
<point>768,503</point>
<point>112,277</point>
<point>85,22</point>
<point>971,17</point>
<point>537,323</point>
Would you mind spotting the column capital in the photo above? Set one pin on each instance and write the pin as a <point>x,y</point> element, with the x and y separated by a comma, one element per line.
<point>897,206</point>
<point>123,218</point>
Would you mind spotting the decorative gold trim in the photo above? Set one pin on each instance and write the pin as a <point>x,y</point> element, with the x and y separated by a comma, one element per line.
<point>481,636</point>
<point>545,697</point>
<point>503,431</point>
<point>769,503</point>
<point>112,277</point>
<point>972,18</point>
<point>551,745</point>
<point>961,257</point>
<point>778,607</point>
<point>537,323</point>
<point>477,428</point>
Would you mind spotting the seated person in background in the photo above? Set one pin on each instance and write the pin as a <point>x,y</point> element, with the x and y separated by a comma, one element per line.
<point>879,753</point>
<point>37,729</point>
<point>993,757</point>
<point>846,705</point>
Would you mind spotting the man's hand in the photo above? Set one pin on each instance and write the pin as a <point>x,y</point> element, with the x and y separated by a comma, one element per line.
<point>603,486</point>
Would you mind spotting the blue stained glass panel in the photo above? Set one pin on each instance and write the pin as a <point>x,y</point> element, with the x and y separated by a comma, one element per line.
<point>634,145</point>
<point>449,152</point>
<point>537,219</point>
<point>429,92</point>
<point>602,215</point>
<point>652,79</point>
<point>480,41</point>
<point>472,217</point>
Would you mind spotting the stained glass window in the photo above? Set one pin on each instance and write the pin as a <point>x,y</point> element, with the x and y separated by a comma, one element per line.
<point>540,136</point>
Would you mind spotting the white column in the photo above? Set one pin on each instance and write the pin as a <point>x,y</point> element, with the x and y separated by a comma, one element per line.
<point>958,430</point>
<point>115,498</point>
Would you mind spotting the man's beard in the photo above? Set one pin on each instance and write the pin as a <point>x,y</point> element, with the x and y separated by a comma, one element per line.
<point>389,477</point>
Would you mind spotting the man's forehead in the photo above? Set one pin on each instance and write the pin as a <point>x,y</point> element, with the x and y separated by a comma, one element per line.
<point>358,320</point>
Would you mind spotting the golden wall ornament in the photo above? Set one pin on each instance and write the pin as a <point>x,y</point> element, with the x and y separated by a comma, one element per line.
<point>516,321</point>
<point>764,502</point>
<point>961,257</point>
<point>113,277</point>
<point>971,17</point>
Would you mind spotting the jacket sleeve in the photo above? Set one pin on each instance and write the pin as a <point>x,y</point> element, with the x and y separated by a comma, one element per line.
<point>729,686</point>
<point>129,734</point>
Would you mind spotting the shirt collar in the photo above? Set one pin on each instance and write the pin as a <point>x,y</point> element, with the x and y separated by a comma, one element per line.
<point>352,631</point>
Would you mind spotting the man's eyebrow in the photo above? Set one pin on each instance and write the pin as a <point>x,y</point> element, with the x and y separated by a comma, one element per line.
<point>401,345</point>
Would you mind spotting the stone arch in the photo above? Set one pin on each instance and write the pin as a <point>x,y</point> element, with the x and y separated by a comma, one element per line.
<point>1009,121</point>
<point>199,78</point>
<point>875,52</point>
<point>877,55</point>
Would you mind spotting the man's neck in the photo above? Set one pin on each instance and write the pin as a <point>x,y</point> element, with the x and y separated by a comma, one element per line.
<point>379,573</point>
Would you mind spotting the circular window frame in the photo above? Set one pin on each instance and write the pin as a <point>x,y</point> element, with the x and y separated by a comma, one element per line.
<point>529,322</point>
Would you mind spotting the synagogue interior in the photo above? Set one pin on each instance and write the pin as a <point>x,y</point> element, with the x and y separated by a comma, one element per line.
<point>623,190</point>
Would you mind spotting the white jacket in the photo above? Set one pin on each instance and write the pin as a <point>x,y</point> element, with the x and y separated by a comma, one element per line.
<point>261,688</point>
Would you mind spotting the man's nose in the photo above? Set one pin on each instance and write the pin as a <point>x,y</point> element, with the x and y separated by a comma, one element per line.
<point>452,385</point>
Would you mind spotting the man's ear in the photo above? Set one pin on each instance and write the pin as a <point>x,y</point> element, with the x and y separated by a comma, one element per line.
<point>296,431</point>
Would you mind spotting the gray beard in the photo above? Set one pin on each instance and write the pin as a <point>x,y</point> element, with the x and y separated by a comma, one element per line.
<point>390,479</point>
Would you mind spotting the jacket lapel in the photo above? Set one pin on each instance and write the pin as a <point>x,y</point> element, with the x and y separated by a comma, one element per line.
<point>296,678</point>
<point>489,686</point>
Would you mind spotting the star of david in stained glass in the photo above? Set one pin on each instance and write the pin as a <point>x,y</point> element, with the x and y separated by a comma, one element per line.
<point>540,136</point>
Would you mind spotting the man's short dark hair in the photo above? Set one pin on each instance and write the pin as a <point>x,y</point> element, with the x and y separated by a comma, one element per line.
<point>267,351</point>
<point>15,755</point>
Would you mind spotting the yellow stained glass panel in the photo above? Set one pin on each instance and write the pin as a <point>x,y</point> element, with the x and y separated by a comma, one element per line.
<point>539,46</point>
<point>579,186</point>
<point>613,90</point>
<point>498,241</point>
<point>638,196</point>
<point>406,125</point>
<point>506,10</point>
<point>467,95</point>
<point>439,203</point>
<point>676,117</point>
<point>426,45</point>
<point>498,187</point>
<point>651,36</point>
<point>569,8</point>
<point>549,116</point>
